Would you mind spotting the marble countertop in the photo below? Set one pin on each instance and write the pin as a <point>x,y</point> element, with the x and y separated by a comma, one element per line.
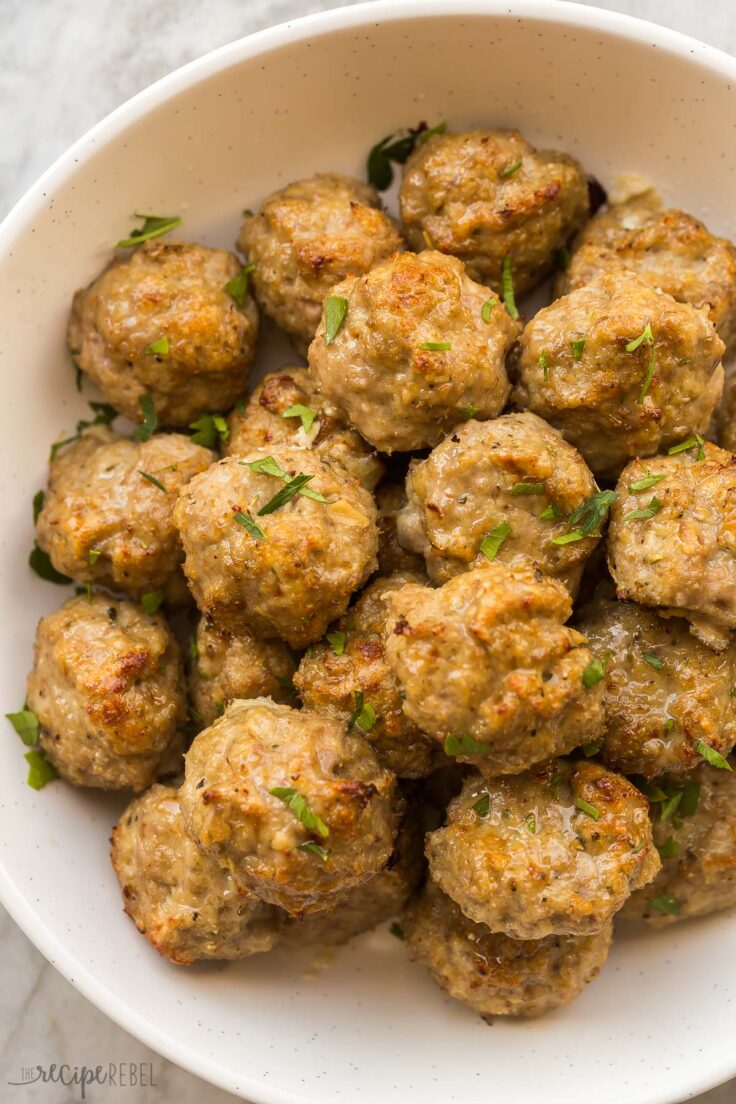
<point>66,64</point>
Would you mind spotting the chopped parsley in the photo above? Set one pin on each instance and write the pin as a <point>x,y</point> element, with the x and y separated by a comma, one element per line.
<point>666,904</point>
<point>644,484</point>
<point>249,525</point>
<point>208,429</point>
<point>585,807</point>
<point>594,672</point>
<point>151,600</point>
<point>487,309</point>
<point>267,466</point>
<point>646,513</point>
<point>25,723</point>
<point>312,848</point>
<point>468,412</point>
<point>670,849</point>
<point>464,745</point>
<point>436,346</point>
<point>712,756</point>
<point>303,413</point>
<point>40,771</point>
<point>491,543</point>
<point>336,307</point>
<point>527,489</point>
<point>507,283</point>
<point>577,345</point>
<point>669,805</point>
<point>364,715</point>
<point>591,749</point>
<point>93,555</point>
<point>653,660</point>
<point>336,640</point>
<point>149,425</point>
<point>482,805</point>
<point>688,443</point>
<point>531,824</point>
<point>569,538</point>
<point>551,512</point>
<point>40,563</point>
<point>562,257</point>
<point>293,487</point>
<point>104,414</point>
<point>646,337</point>
<point>152,480</point>
<point>510,170</point>
<point>158,348</point>
<point>591,514</point>
<point>153,227</point>
<point>237,288</point>
<point>544,363</point>
<point>398,150</point>
<point>300,807</point>
<point>38,501</point>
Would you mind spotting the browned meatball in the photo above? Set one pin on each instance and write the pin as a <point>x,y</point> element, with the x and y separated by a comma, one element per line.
<point>288,572</point>
<point>108,512</point>
<point>486,195</point>
<point>495,975</point>
<point>107,687</point>
<point>515,473</point>
<point>297,807</point>
<point>347,677</point>
<point>261,424</point>
<point>624,370</point>
<point>186,904</point>
<point>390,501</point>
<point>162,323</point>
<point>669,249</point>
<point>309,236</point>
<point>384,895</point>
<point>672,545</point>
<point>666,693</point>
<point>555,851</point>
<point>695,831</point>
<point>621,369</point>
<point>487,665</point>
<point>421,347</point>
<point>225,666</point>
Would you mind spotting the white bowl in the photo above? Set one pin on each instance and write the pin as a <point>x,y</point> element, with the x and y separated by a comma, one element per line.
<point>209,140</point>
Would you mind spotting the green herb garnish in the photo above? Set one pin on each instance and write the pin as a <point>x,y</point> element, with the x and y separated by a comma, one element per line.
<point>293,487</point>
<point>149,425</point>
<point>158,348</point>
<point>464,745</point>
<point>208,429</point>
<point>591,514</point>
<point>688,443</point>
<point>322,853</point>
<point>336,307</point>
<point>527,489</point>
<point>653,660</point>
<point>482,805</point>
<point>645,337</point>
<point>507,283</point>
<point>104,414</point>
<point>336,640</point>
<point>644,484</point>
<point>586,807</point>
<point>237,288</point>
<point>38,501</point>
<point>153,227</point>
<point>249,525</point>
<point>487,309</point>
<point>491,543</point>
<point>531,824</point>
<point>152,600</point>
<point>591,749</point>
<point>577,346</point>
<point>364,714</point>
<point>25,723</point>
<point>40,771</point>
<point>40,563</point>
<point>436,346</point>
<point>645,514</point>
<point>544,363</point>
<point>670,849</point>
<point>299,806</point>
<point>305,415</point>
<point>379,168</point>
<point>666,904</point>
<point>152,480</point>
<point>596,670</point>
<point>712,756</point>
<point>510,170</point>
<point>468,411</point>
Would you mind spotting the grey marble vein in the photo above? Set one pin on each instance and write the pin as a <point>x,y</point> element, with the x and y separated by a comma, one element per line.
<point>64,64</point>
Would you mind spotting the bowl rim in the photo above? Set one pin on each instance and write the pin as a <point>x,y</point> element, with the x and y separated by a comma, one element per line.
<point>14,225</point>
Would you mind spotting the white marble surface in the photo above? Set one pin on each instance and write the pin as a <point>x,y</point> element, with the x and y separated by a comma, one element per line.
<point>64,64</point>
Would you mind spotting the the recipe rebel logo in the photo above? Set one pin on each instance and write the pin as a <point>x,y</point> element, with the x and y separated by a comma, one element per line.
<point>121,1075</point>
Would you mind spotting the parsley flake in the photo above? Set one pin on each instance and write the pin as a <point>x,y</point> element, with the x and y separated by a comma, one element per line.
<point>666,904</point>
<point>468,412</point>
<point>305,415</point>
<point>577,345</point>
<point>104,414</point>
<point>491,543</point>
<point>93,555</point>
<point>507,283</point>
<point>38,501</point>
<point>487,309</point>
<point>379,168</point>
<point>152,600</point>
<point>688,443</point>
<point>25,723</point>
<point>585,807</point>
<point>300,807</point>
<point>646,337</point>
<point>644,484</point>
<point>670,849</point>
<point>153,481</point>
<point>527,489</point>
<point>464,745</point>
<point>336,640</point>
<point>40,562</point>
<point>40,771</point>
<point>312,848</point>
<point>436,346</point>
<point>482,805</point>
<point>531,824</point>
<point>653,660</point>
<point>237,288</point>
<point>595,671</point>
<point>336,307</point>
<point>249,525</point>
<point>208,429</point>
<point>591,514</point>
<point>149,425</point>
<point>293,487</point>
<point>510,170</point>
<point>712,756</point>
<point>153,227</point>
<point>364,714</point>
<point>544,363</point>
<point>645,514</point>
<point>158,348</point>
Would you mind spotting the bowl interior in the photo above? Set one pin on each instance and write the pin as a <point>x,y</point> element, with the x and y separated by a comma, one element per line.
<point>206,143</point>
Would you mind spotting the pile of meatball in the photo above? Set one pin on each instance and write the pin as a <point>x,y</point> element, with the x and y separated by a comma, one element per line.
<point>438,627</point>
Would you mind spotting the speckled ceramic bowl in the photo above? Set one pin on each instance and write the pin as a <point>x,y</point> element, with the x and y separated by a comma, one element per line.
<point>206,142</point>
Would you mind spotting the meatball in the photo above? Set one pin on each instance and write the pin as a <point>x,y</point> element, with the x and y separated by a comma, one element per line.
<point>310,424</point>
<point>348,677</point>
<point>162,323</point>
<point>695,831</point>
<point>487,195</point>
<point>515,472</point>
<point>621,369</point>
<point>495,975</point>
<point>276,570</point>
<point>107,687</point>
<point>669,250</point>
<point>108,513</point>
<point>295,805</point>
<point>309,236</point>
<point>226,666</point>
<point>390,501</point>
<point>487,665</point>
<point>384,895</point>
<point>555,851</point>
<point>672,545</point>
<point>421,348</point>
<point>666,693</point>
<point>184,903</point>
